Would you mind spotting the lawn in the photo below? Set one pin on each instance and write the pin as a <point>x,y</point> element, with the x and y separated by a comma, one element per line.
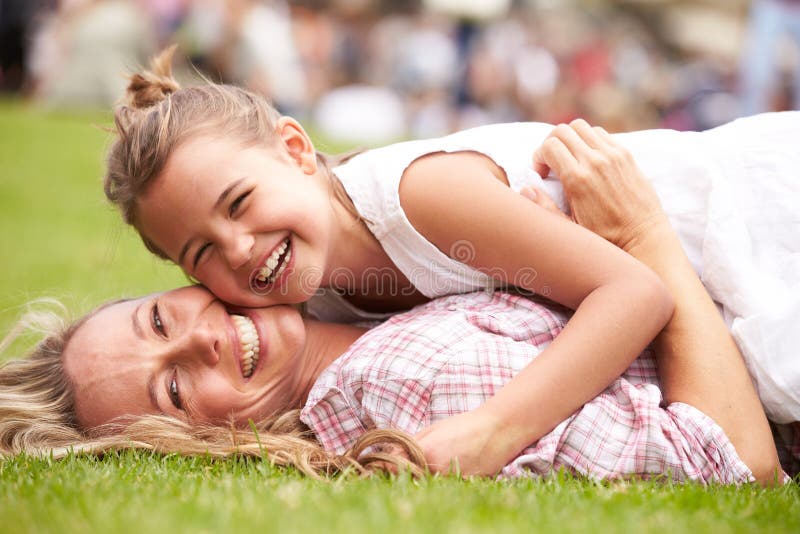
<point>59,238</point>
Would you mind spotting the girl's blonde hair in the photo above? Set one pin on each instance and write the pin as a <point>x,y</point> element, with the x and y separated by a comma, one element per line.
<point>157,115</point>
<point>37,417</point>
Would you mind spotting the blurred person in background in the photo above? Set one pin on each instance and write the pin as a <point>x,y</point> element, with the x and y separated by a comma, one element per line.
<point>81,50</point>
<point>17,18</point>
<point>442,65</point>
<point>264,57</point>
<point>774,26</point>
<point>165,16</point>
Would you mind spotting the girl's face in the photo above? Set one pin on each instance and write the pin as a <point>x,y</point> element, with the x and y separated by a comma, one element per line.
<point>253,224</point>
<point>182,353</point>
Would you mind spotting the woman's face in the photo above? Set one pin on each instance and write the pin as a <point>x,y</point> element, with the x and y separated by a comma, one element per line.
<point>183,353</point>
<point>252,223</point>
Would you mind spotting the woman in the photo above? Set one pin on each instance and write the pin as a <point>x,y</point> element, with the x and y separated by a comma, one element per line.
<point>174,342</point>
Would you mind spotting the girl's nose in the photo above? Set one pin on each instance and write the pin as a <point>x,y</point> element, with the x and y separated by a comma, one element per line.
<point>199,345</point>
<point>237,250</point>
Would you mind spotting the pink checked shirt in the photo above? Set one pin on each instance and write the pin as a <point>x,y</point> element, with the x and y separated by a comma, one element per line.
<point>450,355</point>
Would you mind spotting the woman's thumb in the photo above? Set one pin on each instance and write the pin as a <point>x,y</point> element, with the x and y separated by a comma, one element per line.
<point>542,199</point>
<point>529,192</point>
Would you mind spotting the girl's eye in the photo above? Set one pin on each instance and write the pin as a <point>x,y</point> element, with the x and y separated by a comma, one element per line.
<point>174,394</point>
<point>155,320</point>
<point>199,255</point>
<point>234,207</point>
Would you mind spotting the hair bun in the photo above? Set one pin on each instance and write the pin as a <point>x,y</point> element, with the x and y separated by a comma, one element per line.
<point>152,86</point>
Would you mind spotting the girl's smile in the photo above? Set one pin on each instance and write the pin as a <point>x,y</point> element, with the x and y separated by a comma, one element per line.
<point>275,267</point>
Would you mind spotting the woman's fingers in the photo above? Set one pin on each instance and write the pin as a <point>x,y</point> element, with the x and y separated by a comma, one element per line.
<point>555,155</point>
<point>577,145</point>
<point>605,189</point>
<point>539,165</point>
<point>542,199</point>
<point>603,135</point>
<point>587,133</point>
<point>605,141</point>
<point>592,151</point>
<point>579,138</point>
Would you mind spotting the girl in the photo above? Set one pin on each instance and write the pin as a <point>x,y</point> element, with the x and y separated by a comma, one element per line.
<point>216,181</point>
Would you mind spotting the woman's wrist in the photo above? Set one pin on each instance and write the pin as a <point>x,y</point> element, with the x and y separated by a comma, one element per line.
<point>650,235</point>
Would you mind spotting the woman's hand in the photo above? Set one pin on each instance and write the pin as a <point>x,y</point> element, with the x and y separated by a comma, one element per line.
<point>605,189</point>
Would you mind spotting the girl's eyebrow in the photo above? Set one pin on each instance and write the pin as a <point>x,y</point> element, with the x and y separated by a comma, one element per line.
<point>184,250</point>
<point>227,191</point>
<point>220,199</point>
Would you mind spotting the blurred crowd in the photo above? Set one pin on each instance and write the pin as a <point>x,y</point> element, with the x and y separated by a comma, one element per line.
<point>373,71</point>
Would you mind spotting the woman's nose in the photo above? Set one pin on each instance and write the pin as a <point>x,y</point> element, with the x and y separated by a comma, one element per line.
<point>237,250</point>
<point>199,345</point>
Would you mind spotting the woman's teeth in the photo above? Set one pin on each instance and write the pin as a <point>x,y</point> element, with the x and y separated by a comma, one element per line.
<point>248,341</point>
<point>278,259</point>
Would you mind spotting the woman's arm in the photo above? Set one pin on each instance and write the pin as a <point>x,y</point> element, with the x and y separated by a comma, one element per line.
<point>699,364</point>
<point>620,305</point>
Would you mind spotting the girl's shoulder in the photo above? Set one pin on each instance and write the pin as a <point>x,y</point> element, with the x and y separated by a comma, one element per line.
<point>509,146</point>
<point>501,138</point>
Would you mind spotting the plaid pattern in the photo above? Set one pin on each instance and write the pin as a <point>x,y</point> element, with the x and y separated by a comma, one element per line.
<point>452,354</point>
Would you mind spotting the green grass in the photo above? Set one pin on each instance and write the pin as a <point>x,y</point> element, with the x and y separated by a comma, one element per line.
<point>136,492</point>
<point>60,238</point>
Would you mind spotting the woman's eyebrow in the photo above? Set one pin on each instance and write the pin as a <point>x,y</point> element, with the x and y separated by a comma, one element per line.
<point>151,382</point>
<point>151,392</point>
<point>137,327</point>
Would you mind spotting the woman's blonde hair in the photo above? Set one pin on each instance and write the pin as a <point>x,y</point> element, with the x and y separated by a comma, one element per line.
<point>37,417</point>
<point>157,115</point>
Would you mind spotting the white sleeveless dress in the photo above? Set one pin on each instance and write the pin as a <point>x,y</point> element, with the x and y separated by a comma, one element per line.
<point>731,193</point>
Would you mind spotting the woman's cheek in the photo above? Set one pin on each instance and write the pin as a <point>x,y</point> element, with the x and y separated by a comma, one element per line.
<point>215,400</point>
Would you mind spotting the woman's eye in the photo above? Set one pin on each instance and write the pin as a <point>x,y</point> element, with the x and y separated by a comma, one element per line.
<point>234,207</point>
<point>174,394</point>
<point>155,319</point>
<point>199,255</point>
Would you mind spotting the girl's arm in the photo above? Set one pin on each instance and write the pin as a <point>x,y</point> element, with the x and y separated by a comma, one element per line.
<point>456,201</point>
<point>699,364</point>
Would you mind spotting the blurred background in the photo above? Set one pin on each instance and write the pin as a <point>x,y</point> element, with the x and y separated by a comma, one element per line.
<point>379,70</point>
<point>355,72</point>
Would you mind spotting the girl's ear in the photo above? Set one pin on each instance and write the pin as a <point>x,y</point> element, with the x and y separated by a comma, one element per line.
<point>297,144</point>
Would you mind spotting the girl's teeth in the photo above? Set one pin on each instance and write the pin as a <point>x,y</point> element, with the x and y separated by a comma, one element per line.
<point>268,271</point>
